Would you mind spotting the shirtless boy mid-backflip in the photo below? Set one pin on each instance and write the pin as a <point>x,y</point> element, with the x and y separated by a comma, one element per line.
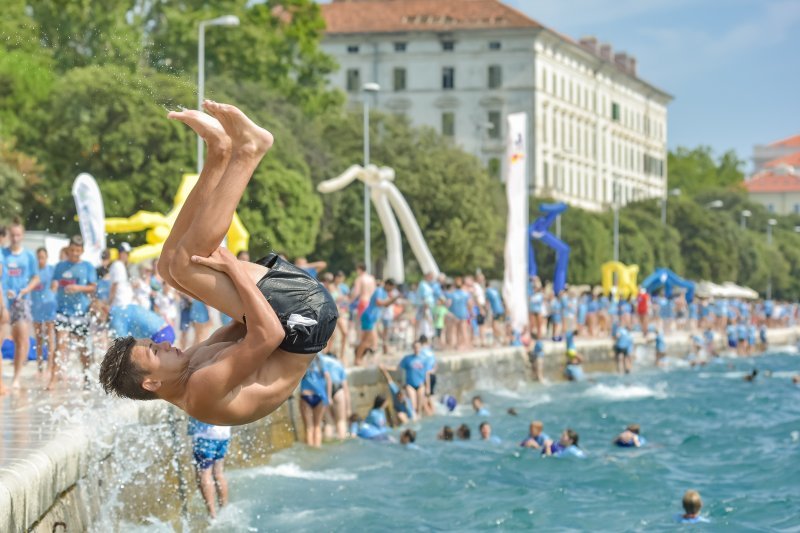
<point>283,317</point>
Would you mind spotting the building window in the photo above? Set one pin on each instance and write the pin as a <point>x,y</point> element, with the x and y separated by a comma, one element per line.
<point>495,76</point>
<point>399,79</point>
<point>495,45</point>
<point>448,46</point>
<point>399,47</point>
<point>494,167</point>
<point>495,132</point>
<point>546,172</point>
<point>796,208</point>
<point>615,111</point>
<point>448,78</point>
<point>352,49</point>
<point>448,124</point>
<point>771,208</point>
<point>353,80</point>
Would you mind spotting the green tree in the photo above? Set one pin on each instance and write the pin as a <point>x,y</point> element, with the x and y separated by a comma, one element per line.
<point>276,44</point>
<point>80,33</point>
<point>695,170</point>
<point>26,82</point>
<point>112,123</point>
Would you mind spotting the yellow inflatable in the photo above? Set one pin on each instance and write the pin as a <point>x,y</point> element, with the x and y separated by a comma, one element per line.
<point>625,278</point>
<point>158,226</point>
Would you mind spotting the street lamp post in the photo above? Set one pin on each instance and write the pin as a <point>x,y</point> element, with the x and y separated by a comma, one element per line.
<point>372,88</point>
<point>771,222</point>
<point>743,219</point>
<point>616,221</point>
<point>227,20</point>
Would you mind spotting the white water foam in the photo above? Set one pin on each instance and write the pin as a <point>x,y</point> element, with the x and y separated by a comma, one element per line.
<point>626,392</point>
<point>292,470</point>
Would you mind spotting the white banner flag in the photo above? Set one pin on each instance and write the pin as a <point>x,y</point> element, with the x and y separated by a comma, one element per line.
<point>91,217</point>
<point>515,283</point>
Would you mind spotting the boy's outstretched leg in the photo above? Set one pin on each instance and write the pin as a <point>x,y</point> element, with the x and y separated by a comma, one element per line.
<point>212,219</point>
<point>219,154</point>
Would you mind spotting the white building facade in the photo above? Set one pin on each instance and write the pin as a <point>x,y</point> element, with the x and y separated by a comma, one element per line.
<point>462,66</point>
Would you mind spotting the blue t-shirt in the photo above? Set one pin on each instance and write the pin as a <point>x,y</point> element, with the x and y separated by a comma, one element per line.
<point>416,368</point>
<point>425,294</point>
<point>311,271</point>
<point>314,380</point>
<point>18,270</point>
<point>624,339</point>
<point>495,301</point>
<point>458,304</point>
<point>134,320</point>
<point>540,440</point>
<point>429,357</point>
<point>334,368</point>
<point>377,418</point>
<point>41,295</point>
<point>679,518</point>
<point>66,274</point>
<point>373,310</point>
<point>570,451</point>
<point>661,345</point>
<point>570,340</point>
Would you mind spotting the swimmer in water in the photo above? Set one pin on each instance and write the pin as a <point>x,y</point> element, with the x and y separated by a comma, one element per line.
<point>463,432</point>
<point>445,434</point>
<point>536,437</point>
<point>408,437</point>
<point>282,316</point>
<point>630,438</point>
<point>751,377</point>
<point>478,406</point>
<point>796,379</point>
<point>486,433</point>
<point>567,445</point>
<point>692,503</point>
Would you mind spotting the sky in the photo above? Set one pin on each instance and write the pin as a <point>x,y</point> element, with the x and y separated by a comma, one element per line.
<point>733,66</point>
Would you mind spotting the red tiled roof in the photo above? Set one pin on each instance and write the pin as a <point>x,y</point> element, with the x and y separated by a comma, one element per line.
<point>774,183</point>
<point>793,160</point>
<point>377,16</point>
<point>789,141</point>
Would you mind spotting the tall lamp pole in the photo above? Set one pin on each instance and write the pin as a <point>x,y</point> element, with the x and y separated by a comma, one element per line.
<point>368,89</point>
<point>227,20</point>
<point>673,192</point>
<point>743,220</point>
<point>616,220</point>
<point>771,222</point>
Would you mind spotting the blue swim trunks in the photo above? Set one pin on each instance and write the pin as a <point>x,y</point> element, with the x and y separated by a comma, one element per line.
<point>198,313</point>
<point>208,451</point>
<point>164,334</point>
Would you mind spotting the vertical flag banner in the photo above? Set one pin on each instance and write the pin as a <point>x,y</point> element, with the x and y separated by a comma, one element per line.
<point>91,216</point>
<point>515,283</point>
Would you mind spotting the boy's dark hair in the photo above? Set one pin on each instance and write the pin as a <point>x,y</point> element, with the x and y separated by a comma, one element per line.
<point>120,375</point>
<point>380,399</point>
<point>484,423</point>
<point>410,435</point>
<point>423,339</point>
<point>634,428</point>
<point>477,397</point>
<point>463,432</point>
<point>447,433</point>
<point>76,240</point>
<point>361,266</point>
<point>390,281</point>
<point>573,436</point>
<point>41,249</point>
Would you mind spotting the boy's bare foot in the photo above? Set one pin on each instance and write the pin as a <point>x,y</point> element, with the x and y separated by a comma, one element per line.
<point>247,137</point>
<point>205,126</point>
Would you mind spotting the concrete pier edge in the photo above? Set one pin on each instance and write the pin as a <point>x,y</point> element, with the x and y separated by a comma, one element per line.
<point>51,489</point>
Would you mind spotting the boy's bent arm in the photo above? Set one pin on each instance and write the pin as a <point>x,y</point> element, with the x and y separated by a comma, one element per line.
<point>239,361</point>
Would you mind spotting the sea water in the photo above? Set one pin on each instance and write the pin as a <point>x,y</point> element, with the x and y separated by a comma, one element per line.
<point>738,443</point>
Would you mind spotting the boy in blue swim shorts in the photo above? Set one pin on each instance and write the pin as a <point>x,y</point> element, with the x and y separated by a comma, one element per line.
<point>209,446</point>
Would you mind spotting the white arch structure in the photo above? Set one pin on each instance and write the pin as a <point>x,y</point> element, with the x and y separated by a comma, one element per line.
<point>389,201</point>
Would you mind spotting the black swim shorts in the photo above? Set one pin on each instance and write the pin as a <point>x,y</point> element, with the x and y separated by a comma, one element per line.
<point>305,308</point>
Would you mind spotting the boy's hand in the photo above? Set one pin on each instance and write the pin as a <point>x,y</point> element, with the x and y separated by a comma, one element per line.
<point>220,259</point>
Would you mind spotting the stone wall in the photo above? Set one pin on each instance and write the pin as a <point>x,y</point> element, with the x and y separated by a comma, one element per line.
<point>88,478</point>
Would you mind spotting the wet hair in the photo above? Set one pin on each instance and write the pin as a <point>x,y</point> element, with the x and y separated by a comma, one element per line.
<point>120,375</point>
<point>446,434</point>
<point>573,436</point>
<point>511,411</point>
<point>483,425</point>
<point>463,432</point>
<point>408,435</point>
<point>634,428</point>
<point>477,397</point>
<point>422,339</point>
<point>380,399</point>
<point>692,502</point>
